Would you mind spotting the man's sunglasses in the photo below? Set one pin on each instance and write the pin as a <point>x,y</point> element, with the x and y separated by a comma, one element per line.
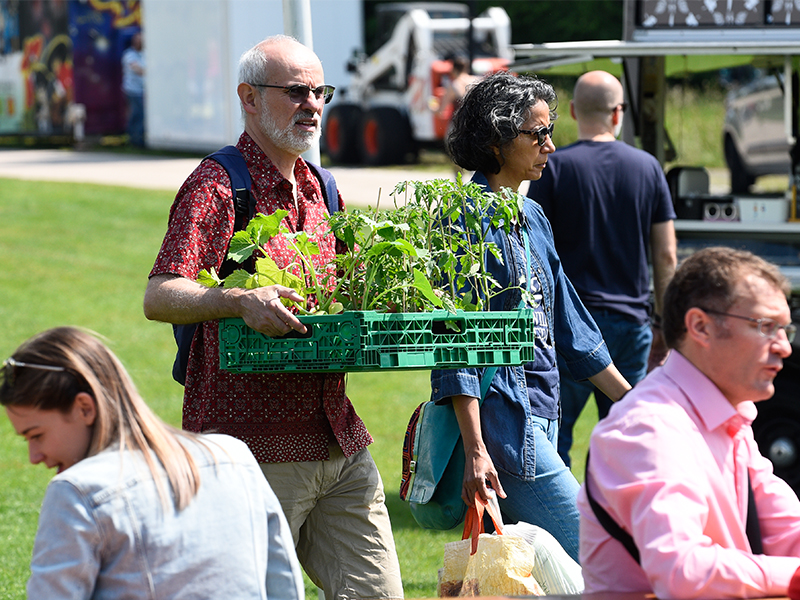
<point>541,133</point>
<point>299,93</point>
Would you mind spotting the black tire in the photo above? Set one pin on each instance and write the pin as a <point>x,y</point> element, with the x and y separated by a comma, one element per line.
<point>777,428</point>
<point>385,137</point>
<point>741,180</point>
<point>341,134</point>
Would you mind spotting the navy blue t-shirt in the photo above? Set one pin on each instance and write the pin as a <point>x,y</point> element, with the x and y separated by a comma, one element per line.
<point>602,199</point>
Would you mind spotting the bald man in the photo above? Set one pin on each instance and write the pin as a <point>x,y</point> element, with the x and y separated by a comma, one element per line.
<point>609,206</point>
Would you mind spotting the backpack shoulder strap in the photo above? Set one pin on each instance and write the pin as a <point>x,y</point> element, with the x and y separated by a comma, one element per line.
<point>329,190</point>
<point>244,202</point>
<point>609,524</point>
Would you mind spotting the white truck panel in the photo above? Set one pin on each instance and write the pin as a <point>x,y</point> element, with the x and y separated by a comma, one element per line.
<point>193,48</point>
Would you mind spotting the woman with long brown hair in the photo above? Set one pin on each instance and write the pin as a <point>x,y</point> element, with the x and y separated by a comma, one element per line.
<point>137,508</point>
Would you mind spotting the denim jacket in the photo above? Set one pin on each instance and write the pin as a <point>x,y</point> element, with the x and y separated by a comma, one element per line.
<point>103,532</point>
<point>506,419</point>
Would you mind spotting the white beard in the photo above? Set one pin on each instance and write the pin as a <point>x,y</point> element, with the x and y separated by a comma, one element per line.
<point>289,139</point>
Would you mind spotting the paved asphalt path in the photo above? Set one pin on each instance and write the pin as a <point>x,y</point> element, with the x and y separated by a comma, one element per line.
<point>360,187</point>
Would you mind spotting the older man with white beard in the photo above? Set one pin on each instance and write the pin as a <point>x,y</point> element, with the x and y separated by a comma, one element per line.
<point>302,428</point>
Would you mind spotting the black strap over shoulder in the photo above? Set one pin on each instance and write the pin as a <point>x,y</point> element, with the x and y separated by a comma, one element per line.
<point>610,525</point>
<point>752,527</point>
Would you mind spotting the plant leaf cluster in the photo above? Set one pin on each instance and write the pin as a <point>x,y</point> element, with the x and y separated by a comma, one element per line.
<point>428,252</point>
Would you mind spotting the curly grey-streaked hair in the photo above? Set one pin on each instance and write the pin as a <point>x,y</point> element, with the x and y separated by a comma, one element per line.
<point>490,115</point>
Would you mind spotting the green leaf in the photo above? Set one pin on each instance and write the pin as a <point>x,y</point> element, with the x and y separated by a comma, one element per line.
<point>241,247</point>
<point>266,226</point>
<point>422,284</point>
<point>303,244</point>
<point>237,279</point>
<point>209,279</point>
<point>269,273</point>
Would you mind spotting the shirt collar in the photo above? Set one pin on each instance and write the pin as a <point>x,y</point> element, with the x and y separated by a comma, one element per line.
<point>706,399</point>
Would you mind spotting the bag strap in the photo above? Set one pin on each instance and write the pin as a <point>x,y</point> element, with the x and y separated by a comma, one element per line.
<point>473,522</point>
<point>244,202</point>
<point>610,525</point>
<point>752,527</point>
<point>328,184</point>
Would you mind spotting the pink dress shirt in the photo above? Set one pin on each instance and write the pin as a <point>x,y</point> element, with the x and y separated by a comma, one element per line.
<point>669,464</point>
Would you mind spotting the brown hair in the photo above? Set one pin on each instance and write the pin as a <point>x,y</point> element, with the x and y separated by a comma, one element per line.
<point>707,279</point>
<point>85,364</point>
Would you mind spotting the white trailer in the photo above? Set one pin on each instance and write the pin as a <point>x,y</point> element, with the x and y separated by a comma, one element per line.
<point>193,48</point>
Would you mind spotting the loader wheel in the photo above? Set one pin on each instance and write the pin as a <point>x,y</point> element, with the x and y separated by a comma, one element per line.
<point>741,180</point>
<point>385,137</point>
<point>340,134</point>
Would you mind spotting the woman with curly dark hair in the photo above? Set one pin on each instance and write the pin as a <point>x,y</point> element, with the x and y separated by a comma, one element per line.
<point>502,131</point>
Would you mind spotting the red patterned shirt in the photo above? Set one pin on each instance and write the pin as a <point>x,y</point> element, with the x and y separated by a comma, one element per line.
<point>281,417</point>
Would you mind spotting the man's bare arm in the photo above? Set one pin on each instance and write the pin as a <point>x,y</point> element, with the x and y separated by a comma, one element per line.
<point>179,300</point>
<point>663,250</point>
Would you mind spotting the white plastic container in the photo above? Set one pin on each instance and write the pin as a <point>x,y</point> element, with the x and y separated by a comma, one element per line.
<point>772,210</point>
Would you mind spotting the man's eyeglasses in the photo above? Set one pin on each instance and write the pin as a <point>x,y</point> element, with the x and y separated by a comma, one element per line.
<point>299,93</point>
<point>541,133</point>
<point>766,327</point>
<point>10,367</point>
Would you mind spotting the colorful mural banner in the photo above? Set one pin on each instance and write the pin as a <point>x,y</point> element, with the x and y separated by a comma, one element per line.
<point>60,59</point>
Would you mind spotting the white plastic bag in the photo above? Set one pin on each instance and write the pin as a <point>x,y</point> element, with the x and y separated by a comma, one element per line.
<point>553,568</point>
<point>487,565</point>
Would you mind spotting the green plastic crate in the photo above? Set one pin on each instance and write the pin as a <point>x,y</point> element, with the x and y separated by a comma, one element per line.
<point>370,341</point>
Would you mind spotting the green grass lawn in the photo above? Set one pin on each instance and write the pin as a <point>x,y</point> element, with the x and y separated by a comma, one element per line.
<point>77,254</point>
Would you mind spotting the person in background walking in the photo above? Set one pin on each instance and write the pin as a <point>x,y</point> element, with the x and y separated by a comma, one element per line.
<point>502,131</point>
<point>610,208</point>
<point>133,70</point>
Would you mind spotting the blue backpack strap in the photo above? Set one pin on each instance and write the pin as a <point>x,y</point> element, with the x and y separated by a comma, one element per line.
<point>244,206</point>
<point>244,202</point>
<point>329,190</point>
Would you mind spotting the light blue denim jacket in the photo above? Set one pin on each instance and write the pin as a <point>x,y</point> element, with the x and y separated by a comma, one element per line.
<point>103,532</point>
<point>505,413</point>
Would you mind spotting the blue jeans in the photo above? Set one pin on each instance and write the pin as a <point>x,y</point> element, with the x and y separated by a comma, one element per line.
<point>135,125</point>
<point>549,501</point>
<point>629,345</point>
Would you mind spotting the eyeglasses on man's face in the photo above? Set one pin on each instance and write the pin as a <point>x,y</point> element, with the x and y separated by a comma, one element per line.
<point>299,93</point>
<point>768,328</point>
<point>541,134</point>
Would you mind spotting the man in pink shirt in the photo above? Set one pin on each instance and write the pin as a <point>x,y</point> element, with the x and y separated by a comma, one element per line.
<point>670,464</point>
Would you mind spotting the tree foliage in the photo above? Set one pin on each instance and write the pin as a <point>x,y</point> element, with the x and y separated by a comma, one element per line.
<point>539,21</point>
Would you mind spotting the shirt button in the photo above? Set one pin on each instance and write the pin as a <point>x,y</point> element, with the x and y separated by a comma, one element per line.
<point>435,390</point>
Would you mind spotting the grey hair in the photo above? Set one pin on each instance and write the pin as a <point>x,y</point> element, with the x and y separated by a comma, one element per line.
<point>255,63</point>
<point>490,116</point>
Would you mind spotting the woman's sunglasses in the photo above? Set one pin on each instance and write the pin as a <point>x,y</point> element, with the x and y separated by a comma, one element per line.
<point>541,133</point>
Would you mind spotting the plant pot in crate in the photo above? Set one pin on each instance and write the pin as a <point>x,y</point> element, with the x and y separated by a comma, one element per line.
<point>371,341</point>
